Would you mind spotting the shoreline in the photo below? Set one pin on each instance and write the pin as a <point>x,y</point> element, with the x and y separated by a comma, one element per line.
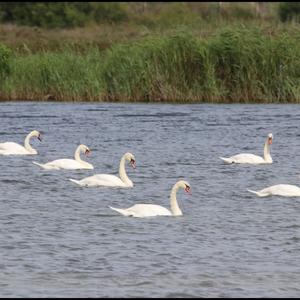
<point>145,102</point>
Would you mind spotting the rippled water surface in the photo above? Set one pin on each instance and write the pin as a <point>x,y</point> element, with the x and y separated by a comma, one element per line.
<point>62,240</point>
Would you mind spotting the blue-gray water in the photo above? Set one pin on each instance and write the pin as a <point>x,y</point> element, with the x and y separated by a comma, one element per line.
<point>61,240</point>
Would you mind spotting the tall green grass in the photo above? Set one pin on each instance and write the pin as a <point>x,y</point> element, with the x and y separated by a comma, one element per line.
<point>236,64</point>
<point>250,65</point>
<point>62,76</point>
<point>158,69</point>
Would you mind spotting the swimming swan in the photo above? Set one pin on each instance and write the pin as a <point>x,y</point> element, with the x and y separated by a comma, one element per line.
<point>151,210</point>
<point>11,148</point>
<point>69,164</point>
<point>247,158</point>
<point>285,190</point>
<point>110,180</point>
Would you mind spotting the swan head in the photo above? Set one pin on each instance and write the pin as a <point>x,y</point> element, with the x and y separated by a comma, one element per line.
<point>185,185</point>
<point>130,157</point>
<point>85,149</point>
<point>37,134</point>
<point>270,138</point>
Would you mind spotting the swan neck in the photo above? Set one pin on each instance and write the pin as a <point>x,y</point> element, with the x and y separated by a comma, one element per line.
<point>176,211</point>
<point>27,144</point>
<point>123,174</point>
<point>77,155</point>
<point>267,155</point>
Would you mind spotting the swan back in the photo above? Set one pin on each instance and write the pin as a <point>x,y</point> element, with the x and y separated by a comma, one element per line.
<point>143,210</point>
<point>285,190</point>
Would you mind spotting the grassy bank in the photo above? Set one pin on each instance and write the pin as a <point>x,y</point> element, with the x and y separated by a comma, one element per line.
<point>235,64</point>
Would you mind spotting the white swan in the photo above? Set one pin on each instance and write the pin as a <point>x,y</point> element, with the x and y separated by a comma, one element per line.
<point>247,158</point>
<point>69,164</point>
<point>152,210</point>
<point>11,148</point>
<point>110,180</point>
<point>285,190</point>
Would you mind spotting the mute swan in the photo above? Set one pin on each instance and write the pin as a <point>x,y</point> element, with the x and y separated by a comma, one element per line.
<point>11,148</point>
<point>70,164</point>
<point>151,210</point>
<point>247,158</point>
<point>110,180</point>
<point>285,190</point>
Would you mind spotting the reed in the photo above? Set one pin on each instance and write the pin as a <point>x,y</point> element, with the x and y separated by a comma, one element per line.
<point>252,66</point>
<point>60,76</point>
<point>235,64</point>
<point>176,68</point>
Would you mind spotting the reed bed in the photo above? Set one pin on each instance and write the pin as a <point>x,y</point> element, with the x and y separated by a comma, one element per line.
<point>235,64</point>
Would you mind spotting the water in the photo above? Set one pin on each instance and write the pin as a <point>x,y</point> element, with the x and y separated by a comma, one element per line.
<point>62,240</point>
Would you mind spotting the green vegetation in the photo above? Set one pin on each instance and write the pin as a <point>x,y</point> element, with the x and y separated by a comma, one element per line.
<point>5,55</point>
<point>61,14</point>
<point>175,52</point>
<point>289,11</point>
<point>66,76</point>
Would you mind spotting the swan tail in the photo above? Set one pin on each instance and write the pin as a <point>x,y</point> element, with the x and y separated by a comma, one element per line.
<point>123,212</point>
<point>260,194</point>
<point>38,164</point>
<point>227,160</point>
<point>46,166</point>
<point>75,181</point>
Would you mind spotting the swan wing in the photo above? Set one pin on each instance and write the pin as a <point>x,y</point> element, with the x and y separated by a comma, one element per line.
<point>244,158</point>
<point>124,212</point>
<point>101,180</point>
<point>144,210</point>
<point>12,148</point>
<point>259,193</point>
<point>228,160</point>
<point>64,163</point>
<point>285,190</point>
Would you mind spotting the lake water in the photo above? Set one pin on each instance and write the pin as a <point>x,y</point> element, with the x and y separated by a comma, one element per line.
<point>61,240</point>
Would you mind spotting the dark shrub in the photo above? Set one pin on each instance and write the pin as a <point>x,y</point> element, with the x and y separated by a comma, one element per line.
<point>289,11</point>
<point>5,55</point>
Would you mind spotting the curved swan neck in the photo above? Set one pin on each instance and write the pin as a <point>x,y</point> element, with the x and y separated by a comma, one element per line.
<point>27,144</point>
<point>122,172</point>
<point>77,154</point>
<point>173,201</point>
<point>267,155</point>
